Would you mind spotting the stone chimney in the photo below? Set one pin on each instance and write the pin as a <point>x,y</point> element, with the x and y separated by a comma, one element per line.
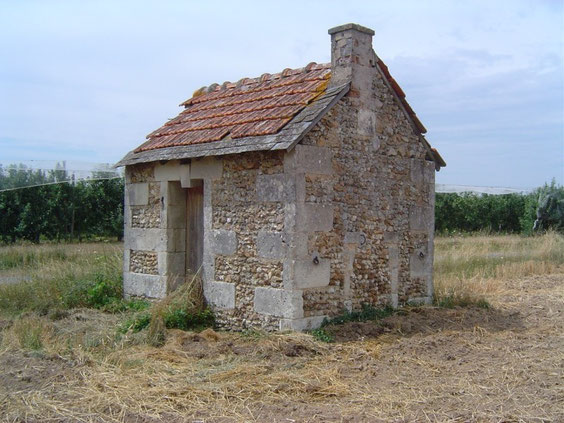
<point>352,57</point>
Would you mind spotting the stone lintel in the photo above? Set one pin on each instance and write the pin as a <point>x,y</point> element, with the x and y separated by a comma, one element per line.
<point>208,168</point>
<point>170,171</point>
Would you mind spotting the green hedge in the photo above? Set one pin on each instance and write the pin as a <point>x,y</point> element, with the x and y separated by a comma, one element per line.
<point>509,213</point>
<point>58,211</point>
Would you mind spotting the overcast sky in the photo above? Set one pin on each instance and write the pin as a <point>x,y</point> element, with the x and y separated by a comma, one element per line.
<point>87,80</point>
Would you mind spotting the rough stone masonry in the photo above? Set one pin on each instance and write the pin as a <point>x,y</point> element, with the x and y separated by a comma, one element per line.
<point>341,219</point>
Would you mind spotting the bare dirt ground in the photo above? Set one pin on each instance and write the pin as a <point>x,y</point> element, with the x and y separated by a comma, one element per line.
<point>503,364</point>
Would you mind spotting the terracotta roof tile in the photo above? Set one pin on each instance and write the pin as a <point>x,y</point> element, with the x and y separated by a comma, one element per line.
<point>249,107</point>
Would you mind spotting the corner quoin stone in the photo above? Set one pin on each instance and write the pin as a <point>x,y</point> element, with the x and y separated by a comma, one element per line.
<point>220,294</point>
<point>279,187</point>
<point>138,194</point>
<point>311,275</point>
<point>314,217</point>
<point>278,302</point>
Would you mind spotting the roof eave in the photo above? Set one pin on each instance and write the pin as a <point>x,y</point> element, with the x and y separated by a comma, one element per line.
<point>285,139</point>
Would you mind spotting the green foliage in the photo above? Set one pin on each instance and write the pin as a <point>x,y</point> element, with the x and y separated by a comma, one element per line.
<point>180,318</point>
<point>29,331</point>
<point>322,335</point>
<point>136,323</point>
<point>550,209</point>
<point>367,313</point>
<point>58,211</point>
<point>103,292</point>
<point>62,283</point>
<point>452,300</point>
<point>509,213</point>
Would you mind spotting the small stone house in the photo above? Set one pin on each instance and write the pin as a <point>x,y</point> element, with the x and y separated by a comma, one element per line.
<point>296,195</point>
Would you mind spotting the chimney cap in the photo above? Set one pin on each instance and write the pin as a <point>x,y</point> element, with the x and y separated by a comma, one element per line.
<point>348,26</point>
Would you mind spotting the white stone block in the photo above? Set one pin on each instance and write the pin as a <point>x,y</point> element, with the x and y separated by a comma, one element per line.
<point>220,294</point>
<point>300,325</point>
<point>279,187</point>
<point>170,171</point>
<point>311,275</point>
<point>138,284</point>
<point>278,302</point>
<point>271,245</point>
<point>146,239</point>
<point>224,242</point>
<point>312,217</point>
<point>138,194</point>
<point>313,159</point>
<point>208,168</point>
<point>421,218</point>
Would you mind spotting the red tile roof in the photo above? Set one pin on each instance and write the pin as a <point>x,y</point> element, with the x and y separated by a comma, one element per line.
<point>250,107</point>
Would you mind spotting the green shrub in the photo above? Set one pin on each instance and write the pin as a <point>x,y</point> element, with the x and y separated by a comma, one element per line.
<point>103,292</point>
<point>136,323</point>
<point>178,318</point>
<point>452,300</point>
<point>322,335</point>
<point>367,313</point>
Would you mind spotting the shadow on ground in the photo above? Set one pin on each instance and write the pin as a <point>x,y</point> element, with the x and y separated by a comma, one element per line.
<point>428,320</point>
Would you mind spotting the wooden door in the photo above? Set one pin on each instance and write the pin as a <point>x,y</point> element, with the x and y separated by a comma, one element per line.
<point>194,229</point>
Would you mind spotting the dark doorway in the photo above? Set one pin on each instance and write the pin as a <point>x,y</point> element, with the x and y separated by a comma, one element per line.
<point>194,229</point>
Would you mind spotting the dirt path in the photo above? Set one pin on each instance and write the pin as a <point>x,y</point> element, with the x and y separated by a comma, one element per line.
<point>502,364</point>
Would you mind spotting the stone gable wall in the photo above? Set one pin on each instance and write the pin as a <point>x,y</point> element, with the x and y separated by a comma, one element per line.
<point>380,183</point>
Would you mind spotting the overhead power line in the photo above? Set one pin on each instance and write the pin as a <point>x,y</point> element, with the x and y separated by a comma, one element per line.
<point>60,182</point>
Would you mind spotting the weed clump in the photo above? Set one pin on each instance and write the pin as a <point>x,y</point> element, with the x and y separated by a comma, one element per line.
<point>367,313</point>
<point>28,333</point>
<point>183,309</point>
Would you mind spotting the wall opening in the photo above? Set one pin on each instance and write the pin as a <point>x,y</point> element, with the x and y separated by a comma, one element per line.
<point>194,228</point>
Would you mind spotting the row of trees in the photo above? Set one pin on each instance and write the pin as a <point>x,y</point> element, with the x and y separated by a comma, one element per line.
<point>509,213</point>
<point>36,205</point>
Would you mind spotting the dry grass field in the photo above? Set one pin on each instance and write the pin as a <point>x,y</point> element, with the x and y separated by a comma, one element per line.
<point>491,349</point>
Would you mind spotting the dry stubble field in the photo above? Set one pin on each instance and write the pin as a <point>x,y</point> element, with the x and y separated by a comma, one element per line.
<point>502,363</point>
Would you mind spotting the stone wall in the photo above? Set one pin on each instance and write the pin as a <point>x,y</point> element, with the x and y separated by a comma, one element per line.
<point>381,191</point>
<point>245,214</point>
<point>155,235</point>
